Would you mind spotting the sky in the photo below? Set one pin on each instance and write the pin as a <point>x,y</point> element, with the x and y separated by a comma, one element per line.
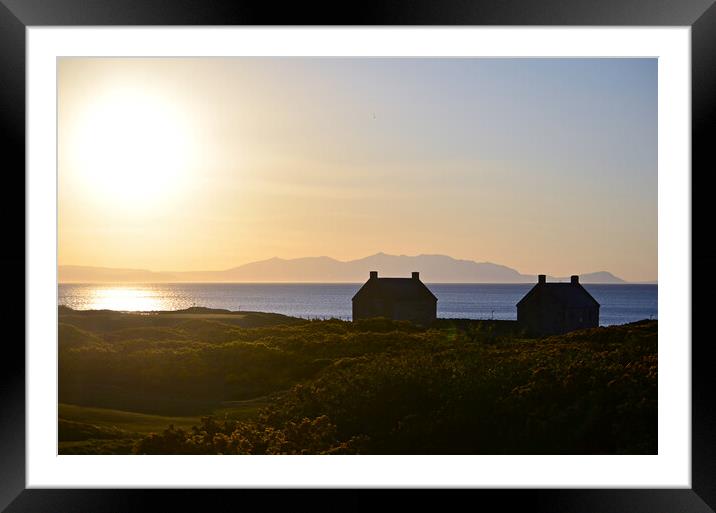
<point>548,166</point>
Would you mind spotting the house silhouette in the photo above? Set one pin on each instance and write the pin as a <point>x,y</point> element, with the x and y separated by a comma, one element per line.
<point>554,308</point>
<point>405,299</point>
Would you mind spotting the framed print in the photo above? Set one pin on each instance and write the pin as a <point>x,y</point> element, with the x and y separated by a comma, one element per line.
<point>271,250</point>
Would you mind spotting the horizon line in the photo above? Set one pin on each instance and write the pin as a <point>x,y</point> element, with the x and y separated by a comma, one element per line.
<point>647,282</point>
<point>379,253</point>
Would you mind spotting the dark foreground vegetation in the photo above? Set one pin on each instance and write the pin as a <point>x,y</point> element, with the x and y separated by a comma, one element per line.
<point>206,381</point>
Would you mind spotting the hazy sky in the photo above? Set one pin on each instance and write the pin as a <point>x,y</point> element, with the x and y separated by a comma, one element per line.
<point>544,165</point>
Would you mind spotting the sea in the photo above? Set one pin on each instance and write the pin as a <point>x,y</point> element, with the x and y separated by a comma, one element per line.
<point>620,304</point>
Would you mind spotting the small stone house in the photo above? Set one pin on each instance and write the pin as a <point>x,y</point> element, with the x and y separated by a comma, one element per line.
<point>406,299</point>
<point>554,308</point>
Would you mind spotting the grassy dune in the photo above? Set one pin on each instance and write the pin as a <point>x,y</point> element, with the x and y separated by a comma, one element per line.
<point>269,384</point>
<point>122,420</point>
<point>87,430</point>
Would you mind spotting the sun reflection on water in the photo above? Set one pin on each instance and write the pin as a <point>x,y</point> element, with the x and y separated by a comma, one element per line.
<point>126,299</point>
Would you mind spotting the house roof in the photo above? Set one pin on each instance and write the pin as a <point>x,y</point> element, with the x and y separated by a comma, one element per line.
<point>395,288</point>
<point>565,294</point>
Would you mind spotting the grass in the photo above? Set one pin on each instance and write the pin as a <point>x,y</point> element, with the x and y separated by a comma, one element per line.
<point>125,420</point>
<point>92,446</point>
<point>204,316</point>
<point>88,430</point>
<point>268,384</point>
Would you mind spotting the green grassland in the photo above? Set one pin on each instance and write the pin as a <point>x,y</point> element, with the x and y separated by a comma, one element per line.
<point>124,421</point>
<point>205,381</point>
<point>87,430</point>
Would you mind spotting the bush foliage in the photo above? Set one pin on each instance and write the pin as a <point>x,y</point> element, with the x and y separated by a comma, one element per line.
<point>376,387</point>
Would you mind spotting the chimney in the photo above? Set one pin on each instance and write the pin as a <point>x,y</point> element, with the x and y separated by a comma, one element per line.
<point>416,275</point>
<point>541,278</point>
<point>574,279</point>
<point>373,274</point>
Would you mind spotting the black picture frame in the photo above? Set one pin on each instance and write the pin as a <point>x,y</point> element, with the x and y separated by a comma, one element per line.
<point>700,15</point>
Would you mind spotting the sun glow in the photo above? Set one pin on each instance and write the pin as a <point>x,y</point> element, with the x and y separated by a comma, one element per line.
<point>141,299</point>
<point>131,148</point>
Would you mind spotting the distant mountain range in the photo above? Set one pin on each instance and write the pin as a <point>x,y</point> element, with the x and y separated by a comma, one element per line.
<point>432,268</point>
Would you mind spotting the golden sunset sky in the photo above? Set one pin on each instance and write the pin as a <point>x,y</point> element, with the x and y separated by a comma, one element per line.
<point>544,165</point>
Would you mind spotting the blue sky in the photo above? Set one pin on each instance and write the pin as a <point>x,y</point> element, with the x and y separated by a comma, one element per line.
<point>545,165</point>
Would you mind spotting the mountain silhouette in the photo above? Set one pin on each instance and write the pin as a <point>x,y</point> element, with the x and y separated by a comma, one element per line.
<point>323,269</point>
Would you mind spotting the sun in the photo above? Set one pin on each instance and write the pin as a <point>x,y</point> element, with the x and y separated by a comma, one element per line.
<point>131,147</point>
